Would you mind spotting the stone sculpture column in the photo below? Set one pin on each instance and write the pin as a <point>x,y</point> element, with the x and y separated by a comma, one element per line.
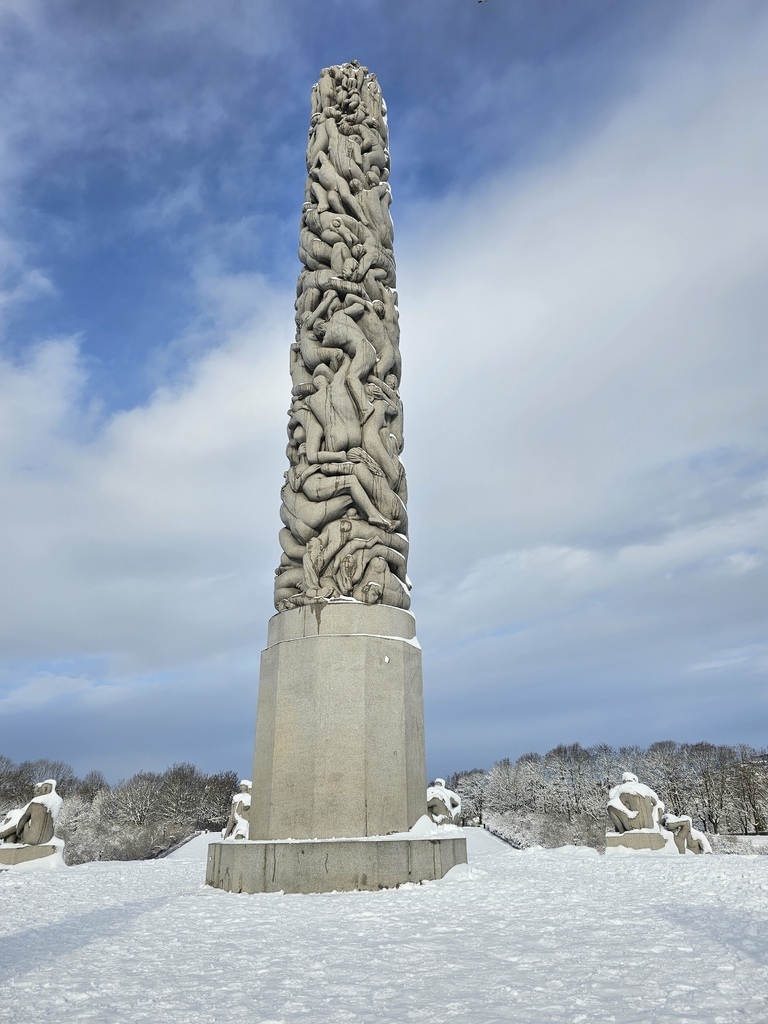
<point>340,721</point>
<point>345,533</point>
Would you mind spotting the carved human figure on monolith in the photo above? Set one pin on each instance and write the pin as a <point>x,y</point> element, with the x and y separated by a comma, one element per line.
<point>345,423</point>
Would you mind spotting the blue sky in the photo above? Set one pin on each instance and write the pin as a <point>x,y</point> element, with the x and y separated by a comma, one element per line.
<point>579,199</point>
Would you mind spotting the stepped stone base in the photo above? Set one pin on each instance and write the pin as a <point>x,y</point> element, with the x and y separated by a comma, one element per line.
<point>331,865</point>
<point>635,840</point>
<point>10,855</point>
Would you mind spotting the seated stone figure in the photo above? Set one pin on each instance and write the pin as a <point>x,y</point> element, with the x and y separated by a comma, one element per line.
<point>239,813</point>
<point>687,838</point>
<point>443,805</point>
<point>633,806</point>
<point>33,824</point>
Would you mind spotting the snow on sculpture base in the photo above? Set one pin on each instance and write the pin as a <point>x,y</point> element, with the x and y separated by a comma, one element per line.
<point>331,865</point>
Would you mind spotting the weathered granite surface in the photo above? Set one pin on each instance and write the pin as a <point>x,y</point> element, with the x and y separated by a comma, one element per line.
<point>331,865</point>
<point>339,725</point>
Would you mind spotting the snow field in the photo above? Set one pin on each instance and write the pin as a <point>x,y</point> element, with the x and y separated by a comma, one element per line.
<point>533,936</point>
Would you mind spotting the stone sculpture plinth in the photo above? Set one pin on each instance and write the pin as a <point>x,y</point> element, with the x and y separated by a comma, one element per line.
<point>339,761</point>
<point>337,865</point>
<point>635,840</point>
<point>11,855</point>
<point>340,724</point>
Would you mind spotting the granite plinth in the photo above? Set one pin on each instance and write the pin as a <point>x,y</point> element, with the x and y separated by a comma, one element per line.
<point>340,724</point>
<point>635,840</point>
<point>331,865</point>
<point>10,855</point>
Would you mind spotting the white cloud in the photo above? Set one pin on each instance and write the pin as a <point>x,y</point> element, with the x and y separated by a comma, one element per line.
<point>139,539</point>
<point>583,350</point>
<point>40,690</point>
<point>585,381</point>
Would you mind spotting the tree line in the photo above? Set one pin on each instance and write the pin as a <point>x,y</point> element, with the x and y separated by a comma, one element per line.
<point>141,817</point>
<point>547,799</point>
<point>560,797</point>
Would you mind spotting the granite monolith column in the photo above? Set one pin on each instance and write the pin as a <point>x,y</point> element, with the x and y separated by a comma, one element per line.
<point>339,770</point>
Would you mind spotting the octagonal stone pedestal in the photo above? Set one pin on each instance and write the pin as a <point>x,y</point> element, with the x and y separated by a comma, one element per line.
<point>339,771</point>
<point>340,725</point>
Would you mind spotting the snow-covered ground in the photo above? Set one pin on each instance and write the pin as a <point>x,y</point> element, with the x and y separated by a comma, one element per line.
<point>534,936</point>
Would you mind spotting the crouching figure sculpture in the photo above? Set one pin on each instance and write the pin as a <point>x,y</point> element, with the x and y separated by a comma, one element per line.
<point>687,838</point>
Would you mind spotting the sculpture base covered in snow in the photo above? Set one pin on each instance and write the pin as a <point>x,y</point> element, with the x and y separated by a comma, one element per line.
<point>11,855</point>
<point>332,865</point>
<point>637,840</point>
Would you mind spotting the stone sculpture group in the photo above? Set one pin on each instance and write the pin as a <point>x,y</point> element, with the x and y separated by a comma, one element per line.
<point>640,821</point>
<point>27,833</point>
<point>345,531</point>
<point>443,805</point>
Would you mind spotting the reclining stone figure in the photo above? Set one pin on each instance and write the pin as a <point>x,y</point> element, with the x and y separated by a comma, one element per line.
<point>687,838</point>
<point>33,824</point>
